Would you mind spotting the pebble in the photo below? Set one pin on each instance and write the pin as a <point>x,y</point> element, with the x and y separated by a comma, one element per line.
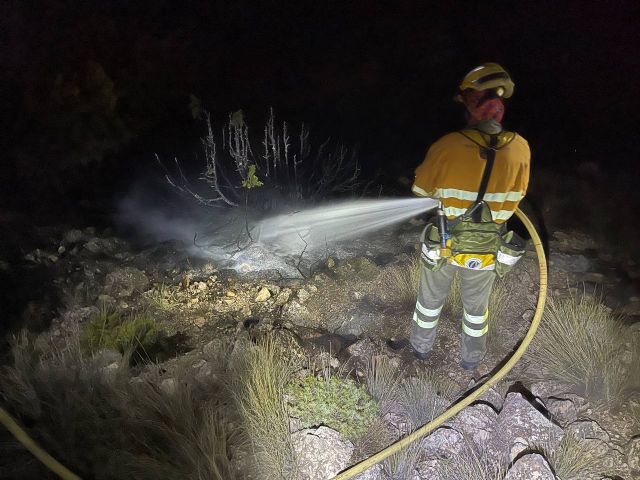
<point>263,295</point>
<point>230,293</point>
<point>200,322</point>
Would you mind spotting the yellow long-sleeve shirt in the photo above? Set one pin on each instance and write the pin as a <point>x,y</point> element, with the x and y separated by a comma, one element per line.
<point>453,167</point>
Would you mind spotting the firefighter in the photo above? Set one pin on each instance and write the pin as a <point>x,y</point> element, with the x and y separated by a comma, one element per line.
<point>479,175</point>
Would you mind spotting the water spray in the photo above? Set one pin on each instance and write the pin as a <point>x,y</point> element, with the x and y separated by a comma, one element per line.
<point>316,227</point>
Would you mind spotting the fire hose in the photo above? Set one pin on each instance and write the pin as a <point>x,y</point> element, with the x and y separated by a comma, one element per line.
<point>490,382</point>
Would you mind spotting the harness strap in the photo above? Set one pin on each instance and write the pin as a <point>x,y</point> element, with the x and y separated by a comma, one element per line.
<point>490,152</point>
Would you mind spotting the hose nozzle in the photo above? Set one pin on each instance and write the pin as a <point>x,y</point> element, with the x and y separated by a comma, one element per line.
<point>445,251</point>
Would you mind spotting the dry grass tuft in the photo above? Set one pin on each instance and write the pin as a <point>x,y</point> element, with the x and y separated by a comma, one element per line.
<point>257,379</point>
<point>574,458</point>
<point>402,465</point>
<point>101,425</point>
<point>580,342</point>
<point>401,283</point>
<point>470,463</point>
<point>425,396</point>
<point>382,378</point>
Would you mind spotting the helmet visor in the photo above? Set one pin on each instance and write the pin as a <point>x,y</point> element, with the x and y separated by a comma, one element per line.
<point>490,77</point>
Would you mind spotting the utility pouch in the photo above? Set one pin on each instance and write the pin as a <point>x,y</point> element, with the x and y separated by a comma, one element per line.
<point>475,237</point>
<point>430,250</point>
<point>510,250</point>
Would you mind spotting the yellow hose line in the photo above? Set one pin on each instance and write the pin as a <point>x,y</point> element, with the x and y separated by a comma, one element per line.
<point>465,402</point>
<point>24,438</point>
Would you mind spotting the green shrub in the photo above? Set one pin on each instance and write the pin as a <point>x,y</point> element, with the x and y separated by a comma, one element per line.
<point>130,334</point>
<point>339,404</point>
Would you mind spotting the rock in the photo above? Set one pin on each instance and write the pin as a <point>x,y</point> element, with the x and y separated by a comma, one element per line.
<point>73,236</point>
<point>548,389</point>
<point>363,348</point>
<point>201,286</point>
<point>61,250</point>
<point>632,308</point>
<point>530,467</point>
<point>588,429</point>
<point>569,263</point>
<point>430,469</point>
<point>303,295</point>
<point>168,386</point>
<point>205,373</point>
<point>296,313</point>
<point>520,423</point>
<point>230,293</point>
<point>283,297</point>
<point>105,358</point>
<point>374,473</point>
<point>101,246</point>
<point>214,348</point>
<point>633,455</point>
<point>123,282</point>
<point>477,423</point>
<point>200,322</point>
<point>563,411</point>
<point>263,295</point>
<point>493,398</point>
<point>442,443</point>
<point>320,453</point>
<point>331,263</point>
<point>593,277</point>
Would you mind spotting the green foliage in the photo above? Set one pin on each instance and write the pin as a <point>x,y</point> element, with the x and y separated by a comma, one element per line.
<point>252,181</point>
<point>135,334</point>
<point>334,402</point>
<point>581,343</point>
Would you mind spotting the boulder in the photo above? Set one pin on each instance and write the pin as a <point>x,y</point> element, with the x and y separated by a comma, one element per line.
<point>73,236</point>
<point>562,410</point>
<point>530,467</point>
<point>521,425</point>
<point>477,423</point>
<point>320,453</point>
<point>569,263</point>
<point>123,282</point>
<point>633,455</point>
<point>374,473</point>
<point>442,443</point>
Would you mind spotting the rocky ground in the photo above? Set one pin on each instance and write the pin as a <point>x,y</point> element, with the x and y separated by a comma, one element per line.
<point>342,304</point>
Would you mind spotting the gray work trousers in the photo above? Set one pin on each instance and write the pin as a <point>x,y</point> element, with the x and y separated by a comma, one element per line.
<point>475,288</point>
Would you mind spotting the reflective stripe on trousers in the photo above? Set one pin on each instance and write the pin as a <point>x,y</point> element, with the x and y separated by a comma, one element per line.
<point>475,288</point>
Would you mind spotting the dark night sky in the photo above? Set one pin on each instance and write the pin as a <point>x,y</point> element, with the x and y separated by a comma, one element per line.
<point>376,74</point>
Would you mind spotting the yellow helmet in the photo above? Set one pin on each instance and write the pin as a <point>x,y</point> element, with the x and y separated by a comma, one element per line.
<point>488,76</point>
